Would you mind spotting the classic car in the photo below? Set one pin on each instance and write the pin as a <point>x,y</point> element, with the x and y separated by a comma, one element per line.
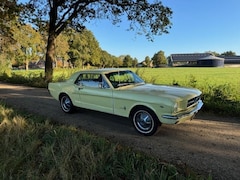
<point>122,92</point>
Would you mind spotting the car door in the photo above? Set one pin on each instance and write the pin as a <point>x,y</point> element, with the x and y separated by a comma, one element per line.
<point>94,93</point>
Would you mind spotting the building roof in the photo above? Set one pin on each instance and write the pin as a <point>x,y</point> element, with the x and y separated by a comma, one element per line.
<point>211,57</point>
<point>231,59</point>
<point>194,57</point>
<point>189,57</point>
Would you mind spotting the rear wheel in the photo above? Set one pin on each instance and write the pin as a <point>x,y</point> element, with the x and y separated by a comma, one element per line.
<point>145,121</point>
<point>66,104</point>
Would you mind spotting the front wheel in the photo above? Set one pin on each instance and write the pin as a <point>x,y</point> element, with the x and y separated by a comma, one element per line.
<point>145,121</point>
<point>66,104</point>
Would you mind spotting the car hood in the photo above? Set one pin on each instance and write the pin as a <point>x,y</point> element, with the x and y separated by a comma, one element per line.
<point>175,92</point>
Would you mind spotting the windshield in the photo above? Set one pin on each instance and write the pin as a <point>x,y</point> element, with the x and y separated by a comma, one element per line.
<point>123,78</point>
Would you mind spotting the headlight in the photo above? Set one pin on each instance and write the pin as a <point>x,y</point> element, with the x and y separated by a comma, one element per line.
<point>175,108</point>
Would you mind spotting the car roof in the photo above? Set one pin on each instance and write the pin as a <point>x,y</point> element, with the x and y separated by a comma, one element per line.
<point>103,70</point>
<point>100,71</point>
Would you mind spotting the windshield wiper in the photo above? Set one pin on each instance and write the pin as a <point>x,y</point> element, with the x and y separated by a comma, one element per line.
<point>130,83</point>
<point>123,84</point>
<point>140,83</point>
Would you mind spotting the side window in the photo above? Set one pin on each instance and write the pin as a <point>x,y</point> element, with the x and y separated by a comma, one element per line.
<point>90,80</point>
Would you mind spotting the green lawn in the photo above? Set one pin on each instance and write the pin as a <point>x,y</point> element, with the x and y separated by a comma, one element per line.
<point>203,76</point>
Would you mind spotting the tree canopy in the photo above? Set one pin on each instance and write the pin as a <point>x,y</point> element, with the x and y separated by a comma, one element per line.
<point>84,48</point>
<point>8,12</point>
<point>28,43</point>
<point>147,61</point>
<point>127,61</point>
<point>229,53</point>
<point>159,59</point>
<point>146,18</point>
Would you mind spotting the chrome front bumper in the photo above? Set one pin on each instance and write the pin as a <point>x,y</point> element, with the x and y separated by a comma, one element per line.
<point>174,119</point>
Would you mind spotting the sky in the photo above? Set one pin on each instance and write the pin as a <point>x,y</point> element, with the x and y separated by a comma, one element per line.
<point>197,26</point>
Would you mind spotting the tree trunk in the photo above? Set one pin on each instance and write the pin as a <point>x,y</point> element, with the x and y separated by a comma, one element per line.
<point>49,58</point>
<point>50,54</point>
<point>27,64</point>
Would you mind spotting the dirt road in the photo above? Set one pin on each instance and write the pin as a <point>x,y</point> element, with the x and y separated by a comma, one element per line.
<point>206,144</point>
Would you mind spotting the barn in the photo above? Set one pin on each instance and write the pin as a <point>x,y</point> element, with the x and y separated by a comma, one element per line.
<point>231,60</point>
<point>196,60</point>
<point>210,61</point>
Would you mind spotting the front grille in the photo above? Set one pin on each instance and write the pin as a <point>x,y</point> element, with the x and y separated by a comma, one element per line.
<point>193,101</point>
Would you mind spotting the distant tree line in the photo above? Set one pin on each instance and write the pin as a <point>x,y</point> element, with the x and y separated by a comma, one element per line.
<point>226,53</point>
<point>72,49</point>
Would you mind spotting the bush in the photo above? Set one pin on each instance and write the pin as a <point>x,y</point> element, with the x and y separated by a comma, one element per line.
<point>221,99</point>
<point>31,78</point>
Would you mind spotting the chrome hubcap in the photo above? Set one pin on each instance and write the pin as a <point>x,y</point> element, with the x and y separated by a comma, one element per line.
<point>143,120</point>
<point>66,103</point>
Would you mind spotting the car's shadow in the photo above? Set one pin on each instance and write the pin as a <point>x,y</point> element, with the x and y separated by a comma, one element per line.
<point>100,122</point>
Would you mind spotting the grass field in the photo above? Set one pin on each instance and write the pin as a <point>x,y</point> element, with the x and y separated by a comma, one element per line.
<point>203,76</point>
<point>195,77</point>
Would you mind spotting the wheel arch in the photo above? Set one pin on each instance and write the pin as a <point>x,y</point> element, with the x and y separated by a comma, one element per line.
<point>71,107</point>
<point>62,94</point>
<point>136,107</point>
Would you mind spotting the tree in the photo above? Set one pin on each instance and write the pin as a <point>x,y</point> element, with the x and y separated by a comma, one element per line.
<point>116,62</point>
<point>84,48</point>
<point>147,61</point>
<point>28,40</point>
<point>127,61</point>
<point>9,10</point>
<point>213,53</point>
<point>106,59</point>
<point>229,53</point>
<point>134,62</point>
<point>144,17</point>
<point>159,59</point>
<point>61,49</point>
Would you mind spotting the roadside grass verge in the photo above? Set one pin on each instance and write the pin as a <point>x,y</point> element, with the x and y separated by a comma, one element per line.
<point>34,78</point>
<point>34,148</point>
